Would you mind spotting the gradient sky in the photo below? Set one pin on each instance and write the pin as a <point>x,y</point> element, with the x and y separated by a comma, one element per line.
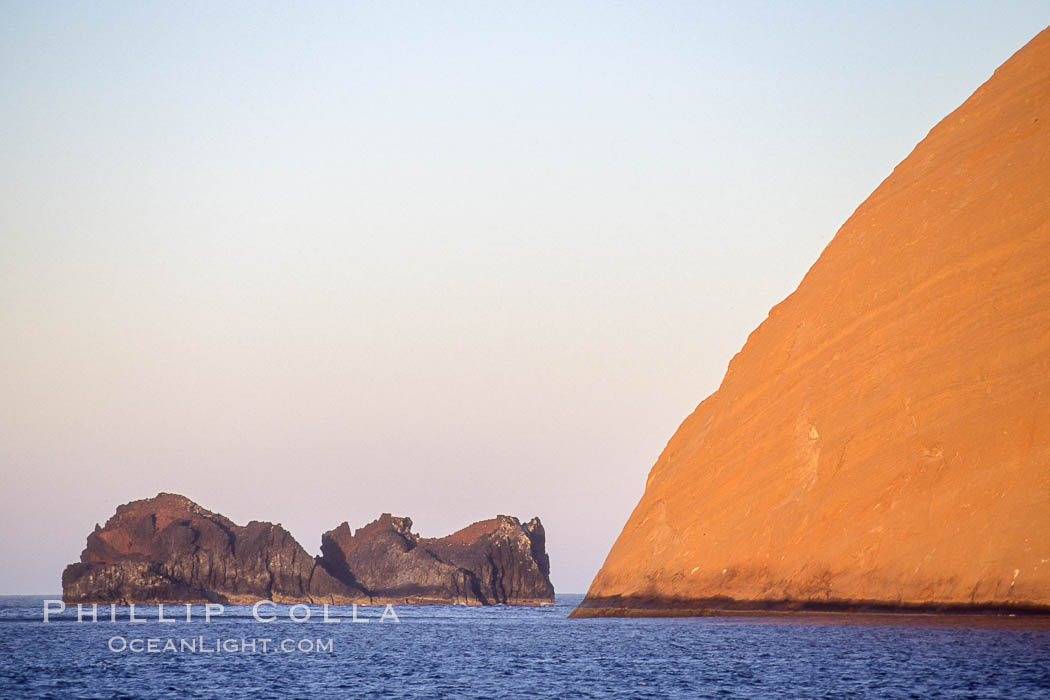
<point>311,263</point>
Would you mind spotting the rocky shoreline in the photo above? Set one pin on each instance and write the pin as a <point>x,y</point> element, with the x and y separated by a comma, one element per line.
<point>635,606</point>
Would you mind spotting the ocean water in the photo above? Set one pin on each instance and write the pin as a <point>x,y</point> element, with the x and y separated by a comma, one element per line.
<point>453,651</point>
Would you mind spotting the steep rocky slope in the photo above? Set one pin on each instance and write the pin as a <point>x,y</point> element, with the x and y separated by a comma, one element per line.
<point>882,440</point>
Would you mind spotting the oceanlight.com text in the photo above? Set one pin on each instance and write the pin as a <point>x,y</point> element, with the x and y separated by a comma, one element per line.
<point>202,645</point>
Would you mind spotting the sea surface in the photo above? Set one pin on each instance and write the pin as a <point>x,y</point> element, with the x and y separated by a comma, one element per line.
<point>455,651</point>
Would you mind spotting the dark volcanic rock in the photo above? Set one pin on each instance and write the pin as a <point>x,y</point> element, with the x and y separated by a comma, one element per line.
<point>169,549</point>
<point>492,561</point>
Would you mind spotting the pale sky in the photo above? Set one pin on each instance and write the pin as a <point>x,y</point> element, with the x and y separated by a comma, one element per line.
<point>312,263</point>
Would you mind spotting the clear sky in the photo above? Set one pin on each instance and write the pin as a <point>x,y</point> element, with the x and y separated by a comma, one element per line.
<point>311,263</point>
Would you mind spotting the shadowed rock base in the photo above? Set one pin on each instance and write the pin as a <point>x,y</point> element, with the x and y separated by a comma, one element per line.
<point>616,606</point>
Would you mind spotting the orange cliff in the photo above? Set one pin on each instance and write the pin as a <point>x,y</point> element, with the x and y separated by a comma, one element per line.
<point>882,441</point>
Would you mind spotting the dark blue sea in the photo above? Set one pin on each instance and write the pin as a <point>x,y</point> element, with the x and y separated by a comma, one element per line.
<point>461,652</point>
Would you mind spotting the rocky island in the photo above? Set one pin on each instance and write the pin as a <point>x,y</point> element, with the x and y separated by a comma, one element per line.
<point>882,440</point>
<point>168,549</point>
<point>493,561</point>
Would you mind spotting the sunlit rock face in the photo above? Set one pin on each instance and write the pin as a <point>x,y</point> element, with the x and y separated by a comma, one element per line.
<point>882,440</point>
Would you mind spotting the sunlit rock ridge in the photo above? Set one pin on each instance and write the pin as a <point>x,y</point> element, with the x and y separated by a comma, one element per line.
<point>882,440</point>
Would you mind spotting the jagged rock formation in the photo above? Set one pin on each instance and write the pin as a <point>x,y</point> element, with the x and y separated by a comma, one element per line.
<point>882,441</point>
<point>169,549</point>
<point>492,561</point>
